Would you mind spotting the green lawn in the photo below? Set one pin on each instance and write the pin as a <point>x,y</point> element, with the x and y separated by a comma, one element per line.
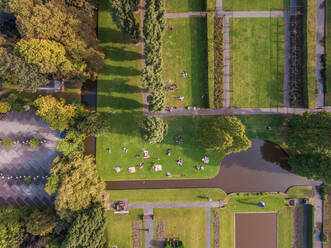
<point>300,192</point>
<point>125,133</point>
<point>185,49</point>
<point>167,195</point>
<point>257,62</point>
<point>119,228</point>
<point>227,229</point>
<point>285,228</point>
<point>242,202</point>
<point>328,53</point>
<point>187,224</point>
<point>173,6</point>
<point>253,5</point>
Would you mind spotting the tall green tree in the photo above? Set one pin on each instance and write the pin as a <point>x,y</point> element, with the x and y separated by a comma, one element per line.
<point>49,56</point>
<point>69,26</point>
<point>41,222</point>
<point>80,184</point>
<point>15,71</point>
<point>225,134</point>
<point>92,123</point>
<point>87,229</point>
<point>58,114</point>
<point>154,129</point>
<point>309,145</point>
<point>11,227</point>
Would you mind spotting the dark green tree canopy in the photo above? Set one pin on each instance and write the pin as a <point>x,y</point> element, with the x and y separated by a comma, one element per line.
<point>154,129</point>
<point>41,222</point>
<point>92,123</point>
<point>87,229</point>
<point>309,145</point>
<point>225,134</point>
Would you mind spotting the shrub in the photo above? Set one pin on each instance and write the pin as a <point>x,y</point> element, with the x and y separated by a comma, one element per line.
<point>211,62</point>
<point>122,13</point>
<point>6,143</point>
<point>154,129</point>
<point>323,237</point>
<point>4,107</point>
<point>41,222</point>
<point>28,179</point>
<point>34,142</point>
<point>218,62</point>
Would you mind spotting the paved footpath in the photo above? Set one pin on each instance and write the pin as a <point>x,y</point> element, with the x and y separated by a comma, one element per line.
<point>251,14</point>
<point>241,111</point>
<point>320,50</point>
<point>149,211</point>
<point>185,15</point>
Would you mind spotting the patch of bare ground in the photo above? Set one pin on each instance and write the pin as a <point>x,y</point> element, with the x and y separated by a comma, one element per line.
<point>137,234</point>
<point>216,222</point>
<point>160,234</point>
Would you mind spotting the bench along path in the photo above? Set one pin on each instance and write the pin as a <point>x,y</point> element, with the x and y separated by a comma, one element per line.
<point>149,215</point>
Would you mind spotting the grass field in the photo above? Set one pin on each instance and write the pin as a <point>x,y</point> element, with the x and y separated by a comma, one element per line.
<point>328,53</point>
<point>173,6</point>
<point>125,133</point>
<point>167,195</point>
<point>327,217</point>
<point>285,228</point>
<point>241,202</point>
<point>257,62</point>
<point>186,224</point>
<point>300,192</point>
<point>185,49</point>
<point>227,229</point>
<point>253,5</point>
<point>119,228</point>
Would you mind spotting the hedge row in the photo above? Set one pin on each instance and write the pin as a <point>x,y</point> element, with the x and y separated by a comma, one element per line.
<point>328,54</point>
<point>154,25</point>
<point>122,14</point>
<point>210,44</point>
<point>219,63</point>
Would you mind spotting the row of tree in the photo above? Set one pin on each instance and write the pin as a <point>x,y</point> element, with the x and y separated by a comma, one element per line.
<point>122,14</point>
<point>78,219</point>
<point>48,39</point>
<point>154,26</point>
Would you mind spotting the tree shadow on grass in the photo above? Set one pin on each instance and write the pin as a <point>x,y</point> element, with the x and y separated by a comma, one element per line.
<point>120,71</point>
<point>113,36</point>
<point>120,54</point>
<point>119,85</point>
<point>120,103</point>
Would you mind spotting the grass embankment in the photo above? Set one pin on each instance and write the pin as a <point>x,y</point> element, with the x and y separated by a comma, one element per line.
<point>328,54</point>
<point>167,195</point>
<point>257,62</point>
<point>186,224</point>
<point>253,5</point>
<point>242,202</point>
<point>311,51</point>
<point>301,192</point>
<point>185,50</point>
<point>119,228</point>
<point>285,228</point>
<point>327,217</point>
<point>174,6</point>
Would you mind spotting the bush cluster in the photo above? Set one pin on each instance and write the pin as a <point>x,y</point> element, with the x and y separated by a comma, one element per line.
<point>154,26</point>
<point>296,61</point>
<point>154,129</point>
<point>211,62</point>
<point>122,13</point>
<point>218,53</point>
